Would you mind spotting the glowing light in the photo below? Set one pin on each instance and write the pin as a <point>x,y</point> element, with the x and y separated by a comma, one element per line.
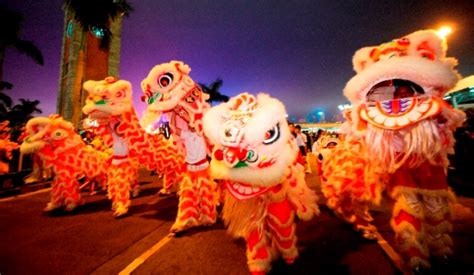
<point>444,31</point>
<point>343,107</point>
<point>98,32</point>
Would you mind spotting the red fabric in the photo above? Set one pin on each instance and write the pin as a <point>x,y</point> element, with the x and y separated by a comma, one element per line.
<point>405,216</point>
<point>426,176</point>
<point>281,210</point>
<point>254,238</point>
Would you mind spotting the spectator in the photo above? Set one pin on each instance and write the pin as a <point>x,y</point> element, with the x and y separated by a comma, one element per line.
<point>301,141</point>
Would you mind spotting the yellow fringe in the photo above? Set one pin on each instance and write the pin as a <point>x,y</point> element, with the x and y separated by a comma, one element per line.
<point>401,204</point>
<point>416,240</point>
<point>441,246</point>
<point>400,190</point>
<point>417,261</point>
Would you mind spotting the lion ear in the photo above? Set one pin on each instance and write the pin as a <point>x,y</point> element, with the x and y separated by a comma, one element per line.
<point>89,85</point>
<point>362,59</point>
<point>181,67</point>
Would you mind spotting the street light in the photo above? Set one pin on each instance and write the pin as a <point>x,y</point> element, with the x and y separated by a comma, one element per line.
<point>444,31</point>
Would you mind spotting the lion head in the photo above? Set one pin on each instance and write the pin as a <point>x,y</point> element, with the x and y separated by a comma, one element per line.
<point>49,136</point>
<point>397,98</point>
<point>168,87</point>
<point>253,146</point>
<point>108,97</point>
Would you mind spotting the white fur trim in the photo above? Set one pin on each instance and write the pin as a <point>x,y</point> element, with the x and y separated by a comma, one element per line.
<point>435,76</point>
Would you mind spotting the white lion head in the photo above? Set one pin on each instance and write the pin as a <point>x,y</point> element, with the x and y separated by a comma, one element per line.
<point>252,143</point>
<point>108,97</point>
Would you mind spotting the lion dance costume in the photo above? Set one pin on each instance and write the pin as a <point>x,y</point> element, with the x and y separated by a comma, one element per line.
<point>59,147</point>
<point>110,103</point>
<point>401,131</point>
<point>6,147</point>
<point>256,157</point>
<point>170,91</point>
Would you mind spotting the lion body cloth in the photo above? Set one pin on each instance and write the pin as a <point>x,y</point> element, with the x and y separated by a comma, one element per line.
<point>59,147</point>
<point>398,134</point>
<point>110,103</point>
<point>6,147</point>
<point>170,92</point>
<point>256,158</point>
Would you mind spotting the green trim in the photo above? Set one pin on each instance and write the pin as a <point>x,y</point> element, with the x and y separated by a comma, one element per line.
<point>240,164</point>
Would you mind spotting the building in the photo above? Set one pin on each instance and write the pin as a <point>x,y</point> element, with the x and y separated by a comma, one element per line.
<point>462,95</point>
<point>82,60</point>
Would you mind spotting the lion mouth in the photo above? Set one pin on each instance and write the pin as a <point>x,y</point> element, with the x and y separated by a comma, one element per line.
<point>242,191</point>
<point>394,89</point>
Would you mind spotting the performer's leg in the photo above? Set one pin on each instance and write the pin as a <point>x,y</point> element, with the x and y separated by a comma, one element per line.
<point>407,222</point>
<point>438,223</point>
<point>169,180</point>
<point>72,194</point>
<point>282,226</point>
<point>259,255</point>
<point>208,198</point>
<point>308,165</point>
<point>119,178</point>
<point>188,213</point>
<point>36,174</point>
<point>362,221</point>
<point>134,184</point>
<point>57,199</point>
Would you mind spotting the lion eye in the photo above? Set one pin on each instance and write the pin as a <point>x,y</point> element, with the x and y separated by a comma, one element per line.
<point>427,54</point>
<point>58,134</point>
<point>272,135</point>
<point>165,80</point>
<point>120,94</point>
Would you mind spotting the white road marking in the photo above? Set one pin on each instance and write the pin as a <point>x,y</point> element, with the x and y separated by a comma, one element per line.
<point>26,195</point>
<point>147,254</point>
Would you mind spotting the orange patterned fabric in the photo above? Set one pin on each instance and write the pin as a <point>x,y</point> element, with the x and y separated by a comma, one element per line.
<point>197,201</point>
<point>256,157</point>
<point>406,130</point>
<point>6,147</point>
<point>153,151</point>
<point>351,183</point>
<point>62,149</point>
<point>168,88</point>
<point>110,103</point>
<point>121,177</point>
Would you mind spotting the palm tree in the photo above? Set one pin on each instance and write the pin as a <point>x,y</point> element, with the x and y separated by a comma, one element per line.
<point>28,108</point>
<point>5,105</point>
<point>10,30</point>
<point>213,90</point>
<point>90,51</point>
<point>96,15</point>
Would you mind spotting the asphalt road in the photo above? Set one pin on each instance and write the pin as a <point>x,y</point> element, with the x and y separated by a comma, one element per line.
<point>90,240</point>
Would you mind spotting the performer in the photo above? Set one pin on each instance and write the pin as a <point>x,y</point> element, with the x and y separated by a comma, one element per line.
<point>110,104</point>
<point>62,150</point>
<point>6,147</point>
<point>405,129</point>
<point>170,91</point>
<point>256,157</point>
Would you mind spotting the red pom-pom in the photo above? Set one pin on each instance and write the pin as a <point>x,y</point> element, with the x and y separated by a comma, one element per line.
<point>219,155</point>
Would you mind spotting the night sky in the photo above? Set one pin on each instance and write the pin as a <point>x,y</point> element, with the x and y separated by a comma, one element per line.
<point>298,51</point>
